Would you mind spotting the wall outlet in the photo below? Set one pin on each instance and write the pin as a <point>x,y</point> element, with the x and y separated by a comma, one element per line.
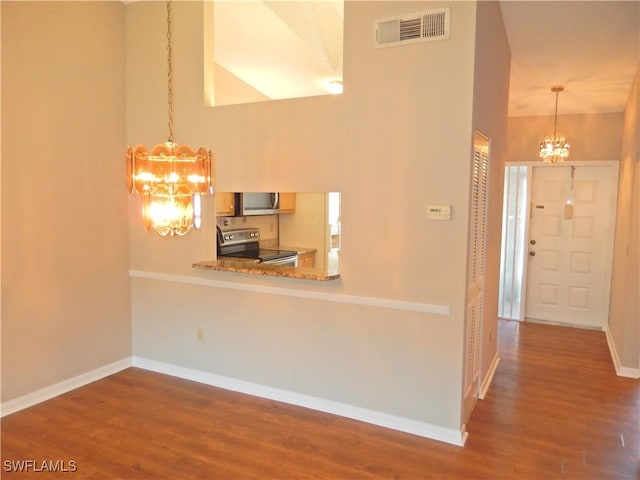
<point>200,335</point>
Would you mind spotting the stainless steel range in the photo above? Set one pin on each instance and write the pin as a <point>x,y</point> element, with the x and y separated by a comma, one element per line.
<point>244,244</point>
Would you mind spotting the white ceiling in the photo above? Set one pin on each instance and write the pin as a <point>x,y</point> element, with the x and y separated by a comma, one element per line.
<point>592,48</point>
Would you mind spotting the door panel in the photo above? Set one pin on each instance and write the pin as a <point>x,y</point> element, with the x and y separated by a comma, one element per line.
<point>476,271</point>
<point>570,241</point>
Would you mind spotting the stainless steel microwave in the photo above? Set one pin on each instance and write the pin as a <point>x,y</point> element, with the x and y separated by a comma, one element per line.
<point>256,203</point>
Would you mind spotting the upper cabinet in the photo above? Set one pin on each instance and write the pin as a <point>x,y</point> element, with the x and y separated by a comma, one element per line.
<point>225,204</point>
<point>287,202</point>
<point>228,204</point>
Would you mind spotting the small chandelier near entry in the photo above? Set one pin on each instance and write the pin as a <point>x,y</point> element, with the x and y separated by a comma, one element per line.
<point>554,149</point>
<point>171,177</point>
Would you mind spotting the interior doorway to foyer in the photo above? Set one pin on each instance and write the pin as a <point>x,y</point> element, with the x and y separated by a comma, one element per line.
<point>557,242</point>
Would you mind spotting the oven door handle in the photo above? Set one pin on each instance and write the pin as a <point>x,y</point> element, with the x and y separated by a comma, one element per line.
<point>290,261</point>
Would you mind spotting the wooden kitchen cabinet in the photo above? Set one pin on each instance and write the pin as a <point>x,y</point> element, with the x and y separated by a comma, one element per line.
<point>307,260</point>
<point>225,204</point>
<point>287,202</point>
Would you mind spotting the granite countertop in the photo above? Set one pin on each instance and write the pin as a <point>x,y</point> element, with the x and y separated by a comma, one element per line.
<point>239,266</point>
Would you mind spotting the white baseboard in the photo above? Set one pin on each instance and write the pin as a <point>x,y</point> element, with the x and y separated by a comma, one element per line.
<point>30,399</point>
<point>488,379</point>
<point>422,429</point>
<point>620,370</point>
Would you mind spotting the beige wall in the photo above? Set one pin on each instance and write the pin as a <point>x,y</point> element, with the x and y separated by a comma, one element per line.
<point>591,136</point>
<point>490,106</point>
<point>624,319</point>
<point>65,290</point>
<point>398,139</point>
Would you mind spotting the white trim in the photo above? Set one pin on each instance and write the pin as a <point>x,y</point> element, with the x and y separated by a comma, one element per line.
<point>46,393</point>
<point>292,292</point>
<point>620,370</point>
<point>422,429</point>
<point>488,379</point>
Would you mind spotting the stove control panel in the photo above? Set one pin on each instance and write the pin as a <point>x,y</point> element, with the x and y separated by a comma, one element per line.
<point>241,235</point>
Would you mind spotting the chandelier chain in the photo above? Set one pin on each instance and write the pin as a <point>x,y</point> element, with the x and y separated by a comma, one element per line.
<point>169,72</point>
<point>555,122</point>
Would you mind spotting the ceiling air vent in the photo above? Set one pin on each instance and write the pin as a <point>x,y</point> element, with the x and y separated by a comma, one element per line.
<point>413,28</point>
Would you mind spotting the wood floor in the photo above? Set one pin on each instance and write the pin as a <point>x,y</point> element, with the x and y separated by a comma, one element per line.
<point>555,410</point>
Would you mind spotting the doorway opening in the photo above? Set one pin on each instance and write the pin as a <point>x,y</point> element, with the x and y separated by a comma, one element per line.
<point>557,243</point>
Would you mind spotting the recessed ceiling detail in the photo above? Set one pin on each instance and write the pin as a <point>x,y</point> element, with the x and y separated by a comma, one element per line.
<point>281,49</point>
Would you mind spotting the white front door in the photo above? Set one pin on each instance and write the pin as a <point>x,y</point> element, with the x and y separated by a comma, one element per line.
<point>570,244</point>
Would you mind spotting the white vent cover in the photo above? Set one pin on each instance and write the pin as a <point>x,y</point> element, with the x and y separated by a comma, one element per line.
<point>413,28</point>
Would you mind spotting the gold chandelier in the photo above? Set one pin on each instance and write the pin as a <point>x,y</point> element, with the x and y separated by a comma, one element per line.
<point>554,149</point>
<point>172,177</point>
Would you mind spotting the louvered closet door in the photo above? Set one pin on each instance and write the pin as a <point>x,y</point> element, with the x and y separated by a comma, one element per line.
<point>476,265</point>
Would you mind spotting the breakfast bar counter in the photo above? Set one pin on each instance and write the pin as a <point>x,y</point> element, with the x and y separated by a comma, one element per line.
<point>241,266</point>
